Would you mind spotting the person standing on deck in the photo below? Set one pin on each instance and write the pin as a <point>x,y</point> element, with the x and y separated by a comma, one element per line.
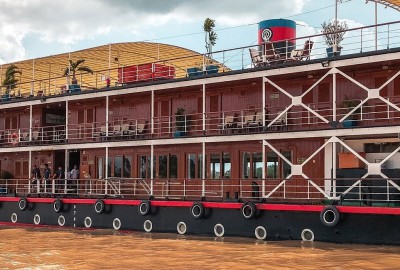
<point>46,177</point>
<point>58,178</point>
<point>74,178</point>
<point>35,176</point>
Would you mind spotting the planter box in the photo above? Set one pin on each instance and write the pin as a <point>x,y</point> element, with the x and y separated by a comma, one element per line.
<point>349,123</point>
<point>330,53</point>
<point>194,71</point>
<point>211,69</point>
<point>350,161</point>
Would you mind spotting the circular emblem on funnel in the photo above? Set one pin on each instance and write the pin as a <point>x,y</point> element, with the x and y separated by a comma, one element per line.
<point>266,34</point>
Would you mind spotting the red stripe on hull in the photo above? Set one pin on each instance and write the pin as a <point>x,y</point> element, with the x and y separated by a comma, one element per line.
<point>223,205</point>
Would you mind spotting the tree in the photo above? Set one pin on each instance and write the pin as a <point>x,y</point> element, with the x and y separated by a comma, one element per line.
<point>334,32</point>
<point>210,35</point>
<point>74,67</point>
<point>10,80</point>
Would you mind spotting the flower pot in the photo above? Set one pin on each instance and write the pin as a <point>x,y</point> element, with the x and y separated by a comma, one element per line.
<point>330,53</point>
<point>211,69</point>
<point>349,123</point>
<point>194,71</point>
<point>179,133</point>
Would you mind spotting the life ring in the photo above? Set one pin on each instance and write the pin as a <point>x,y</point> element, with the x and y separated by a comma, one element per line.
<point>197,210</point>
<point>22,204</point>
<point>144,208</point>
<point>58,205</point>
<point>99,207</point>
<point>14,139</point>
<point>249,210</point>
<point>330,216</point>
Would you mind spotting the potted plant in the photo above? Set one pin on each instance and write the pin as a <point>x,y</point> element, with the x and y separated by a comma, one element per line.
<point>10,80</point>
<point>72,69</point>
<point>210,40</point>
<point>352,119</point>
<point>333,35</point>
<point>181,123</point>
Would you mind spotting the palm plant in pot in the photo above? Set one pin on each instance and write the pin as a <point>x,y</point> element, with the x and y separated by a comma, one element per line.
<point>181,123</point>
<point>352,119</point>
<point>10,80</point>
<point>72,69</point>
<point>333,34</point>
<point>210,40</point>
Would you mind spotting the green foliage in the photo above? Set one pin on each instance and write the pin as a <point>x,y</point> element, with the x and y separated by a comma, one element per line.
<point>334,30</point>
<point>210,34</point>
<point>181,120</point>
<point>9,79</point>
<point>6,175</point>
<point>76,66</point>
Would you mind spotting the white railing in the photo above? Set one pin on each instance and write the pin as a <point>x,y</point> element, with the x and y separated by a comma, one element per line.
<point>366,191</point>
<point>356,40</point>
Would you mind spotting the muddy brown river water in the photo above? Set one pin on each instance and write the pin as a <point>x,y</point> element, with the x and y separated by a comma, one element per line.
<point>28,248</point>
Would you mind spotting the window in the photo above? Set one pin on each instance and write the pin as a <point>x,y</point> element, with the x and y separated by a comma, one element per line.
<point>220,165</point>
<point>245,165</point>
<point>118,167</point>
<point>162,166</point>
<point>226,163</point>
<point>272,165</point>
<point>194,166</point>
<point>191,166</point>
<point>127,161</point>
<point>274,169</point>
<point>144,168</point>
<point>109,162</point>
<point>257,165</point>
<point>100,167</point>
<point>215,166</point>
<point>251,165</point>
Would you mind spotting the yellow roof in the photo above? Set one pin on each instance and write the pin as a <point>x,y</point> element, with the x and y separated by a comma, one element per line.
<point>46,73</point>
<point>390,3</point>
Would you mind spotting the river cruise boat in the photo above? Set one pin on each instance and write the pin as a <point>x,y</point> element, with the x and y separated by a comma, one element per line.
<point>276,141</point>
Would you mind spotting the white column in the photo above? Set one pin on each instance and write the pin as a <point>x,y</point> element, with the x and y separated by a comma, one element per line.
<point>334,97</point>
<point>151,168</point>
<point>263,101</point>
<point>30,123</point>
<point>264,161</point>
<point>152,112</point>
<point>107,113</point>
<point>376,27</point>
<point>334,166</point>
<point>66,118</point>
<point>29,163</point>
<point>203,182</point>
<point>106,169</point>
<point>204,108</point>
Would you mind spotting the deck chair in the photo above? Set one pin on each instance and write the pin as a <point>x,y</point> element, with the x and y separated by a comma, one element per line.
<point>304,54</point>
<point>229,121</point>
<point>270,56</point>
<point>141,129</point>
<point>35,136</point>
<point>256,59</point>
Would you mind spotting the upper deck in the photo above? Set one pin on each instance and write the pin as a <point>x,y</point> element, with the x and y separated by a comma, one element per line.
<point>284,94</point>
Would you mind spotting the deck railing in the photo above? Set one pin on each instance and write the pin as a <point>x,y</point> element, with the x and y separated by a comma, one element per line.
<point>367,191</point>
<point>356,40</point>
<point>239,121</point>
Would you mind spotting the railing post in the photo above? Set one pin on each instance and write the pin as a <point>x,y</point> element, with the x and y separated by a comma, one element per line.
<point>361,43</point>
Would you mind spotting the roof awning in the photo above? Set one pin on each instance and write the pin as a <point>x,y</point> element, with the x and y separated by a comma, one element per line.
<point>395,4</point>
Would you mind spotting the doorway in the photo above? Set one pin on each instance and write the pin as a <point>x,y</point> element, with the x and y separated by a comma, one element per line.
<point>74,158</point>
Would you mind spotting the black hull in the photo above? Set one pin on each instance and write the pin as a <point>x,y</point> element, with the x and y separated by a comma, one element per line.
<point>365,228</point>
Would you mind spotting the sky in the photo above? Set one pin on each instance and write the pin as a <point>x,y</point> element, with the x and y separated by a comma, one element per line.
<point>36,28</point>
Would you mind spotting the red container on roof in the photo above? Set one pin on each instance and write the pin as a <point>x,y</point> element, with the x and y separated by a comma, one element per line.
<point>145,72</point>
